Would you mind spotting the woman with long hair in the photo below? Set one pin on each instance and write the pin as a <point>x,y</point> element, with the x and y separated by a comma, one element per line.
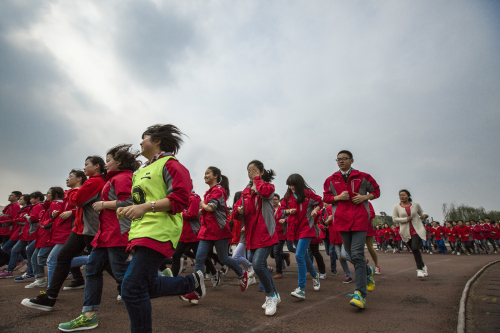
<point>300,206</point>
<point>407,213</point>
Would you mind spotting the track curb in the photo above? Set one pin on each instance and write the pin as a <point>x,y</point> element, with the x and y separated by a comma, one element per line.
<point>465,294</point>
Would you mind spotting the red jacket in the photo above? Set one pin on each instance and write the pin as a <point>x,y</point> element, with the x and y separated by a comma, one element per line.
<point>46,223</point>
<point>379,235</point>
<point>387,233</point>
<point>317,239</point>
<point>191,220</point>
<point>19,222</point>
<point>397,237</point>
<point>463,232</point>
<point>29,229</point>
<point>451,232</point>
<point>496,232</point>
<point>351,217</point>
<point>371,230</point>
<point>477,232</point>
<point>214,224</point>
<point>62,228</point>
<point>335,237</point>
<point>113,232</point>
<point>7,217</point>
<point>280,227</point>
<point>86,218</point>
<point>301,224</point>
<point>486,230</point>
<point>260,225</point>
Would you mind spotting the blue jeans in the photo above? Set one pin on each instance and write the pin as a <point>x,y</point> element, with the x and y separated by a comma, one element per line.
<point>259,263</point>
<point>303,261</point>
<point>354,244</point>
<point>289,245</point>
<point>98,260</point>
<point>141,283</point>
<point>221,247</point>
<point>442,247</point>
<point>7,248</point>
<point>343,257</point>
<point>239,256</point>
<point>279,256</point>
<point>39,259</point>
<point>16,252</point>
<point>333,261</point>
<point>75,262</point>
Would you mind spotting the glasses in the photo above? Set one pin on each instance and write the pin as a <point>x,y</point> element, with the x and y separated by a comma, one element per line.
<point>342,159</point>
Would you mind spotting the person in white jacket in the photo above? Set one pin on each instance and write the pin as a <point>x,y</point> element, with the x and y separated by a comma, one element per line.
<point>412,230</point>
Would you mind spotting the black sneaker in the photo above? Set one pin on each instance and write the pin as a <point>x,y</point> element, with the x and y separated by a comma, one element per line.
<point>41,302</point>
<point>75,284</point>
<point>199,284</point>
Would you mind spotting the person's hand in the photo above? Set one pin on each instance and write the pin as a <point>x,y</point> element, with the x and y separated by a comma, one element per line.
<point>282,221</point>
<point>135,212</point>
<point>314,213</point>
<point>120,212</point>
<point>343,196</point>
<point>425,216</point>
<point>408,219</point>
<point>292,211</point>
<point>25,215</point>
<point>55,213</point>
<point>358,198</point>
<point>242,228</point>
<point>240,210</point>
<point>65,215</point>
<point>98,206</point>
<point>253,173</point>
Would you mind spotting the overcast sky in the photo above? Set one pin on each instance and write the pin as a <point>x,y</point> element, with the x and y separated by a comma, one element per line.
<point>411,88</point>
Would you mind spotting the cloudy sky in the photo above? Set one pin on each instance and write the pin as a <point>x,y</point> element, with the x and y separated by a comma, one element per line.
<point>410,87</point>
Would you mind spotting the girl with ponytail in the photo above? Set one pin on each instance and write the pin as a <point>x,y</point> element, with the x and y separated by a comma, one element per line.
<point>256,208</point>
<point>215,231</point>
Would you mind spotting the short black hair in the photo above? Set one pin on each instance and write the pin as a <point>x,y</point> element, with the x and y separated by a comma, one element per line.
<point>347,152</point>
<point>277,195</point>
<point>79,174</point>
<point>37,194</point>
<point>17,193</point>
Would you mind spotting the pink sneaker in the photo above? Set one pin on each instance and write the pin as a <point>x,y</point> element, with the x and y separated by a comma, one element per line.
<point>6,275</point>
<point>377,270</point>
<point>244,281</point>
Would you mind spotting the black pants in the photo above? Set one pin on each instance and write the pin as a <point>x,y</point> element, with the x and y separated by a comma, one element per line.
<point>314,248</point>
<point>181,249</point>
<point>73,247</point>
<point>415,243</point>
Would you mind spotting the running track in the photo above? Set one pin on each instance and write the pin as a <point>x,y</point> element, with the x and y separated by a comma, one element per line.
<point>400,303</point>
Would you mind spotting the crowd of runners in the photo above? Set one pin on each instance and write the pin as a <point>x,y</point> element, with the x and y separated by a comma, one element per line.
<point>143,225</point>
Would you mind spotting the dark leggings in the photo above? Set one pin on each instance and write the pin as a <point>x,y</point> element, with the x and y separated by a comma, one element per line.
<point>74,245</point>
<point>183,248</point>
<point>415,243</point>
<point>314,248</point>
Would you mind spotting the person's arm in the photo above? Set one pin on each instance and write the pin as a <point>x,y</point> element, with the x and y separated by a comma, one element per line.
<point>265,190</point>
<point>396,217</point>
<point>316,201</point>
<point>193,209</point>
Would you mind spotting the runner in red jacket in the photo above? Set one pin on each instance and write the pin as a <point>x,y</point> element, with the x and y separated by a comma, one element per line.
<point>348,191</point>
<point>488,233</point>
<point>300,206</point>
<point>8,215</point>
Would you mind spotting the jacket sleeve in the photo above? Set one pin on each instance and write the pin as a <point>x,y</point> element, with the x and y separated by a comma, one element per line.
<point>179,185</point>
<point>86,192</point>
<point>420,211</point>
<point>372,211</point>
<point>265,190</point>
<point>34,216</point>
<point>13,212</point>
<point>217,198</point>
<point>193,209</point>
<point>396,217</point>
<point>283,208</point>
<point>123,189</point>
<point>329,191</point>
<point>235,215</point>
<point>372,187</point>
<point>315,200</point>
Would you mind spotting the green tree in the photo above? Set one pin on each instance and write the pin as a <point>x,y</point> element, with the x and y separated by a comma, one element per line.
<point>463,212</point>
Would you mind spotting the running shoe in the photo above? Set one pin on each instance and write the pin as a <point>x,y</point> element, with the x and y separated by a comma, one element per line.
<point>347,279</point>
<point>79,324</point>
<point>251,272</point>
<point>20,264</point>
<point>261,288</point>
<point>299,293</point>
<point>334,272</point>
<point>370,282</point>
<point>357,300</point>
<point>191,298</point>
<point>279,300</point>
<point>452,252</point>
<point>377,270</point>
<point>322,276</point>
<point>216,279</point>
<point>24,278</point>
<point>38,283</point>
<point>271,304</point>
<point>167,272</point>
<point>75,284</point>
<point>458,253</point>
<point>207,277</point>
<point>243,280</point>
<point>41,302</point>
<point>278,276</point>
<point>420,274</point>
<point>424,269</point>
<point>252,281</point>
<point>270,269</point>
<point>199,284</point>
<point>224,270</point>
<point>287,259</point>
<point>119,298</point>
<point>316,283</point>
<point>430,252</point>
<point>6,274</point>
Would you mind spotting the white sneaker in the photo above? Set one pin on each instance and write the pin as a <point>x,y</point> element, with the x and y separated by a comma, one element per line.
<point>430,252</point>
<point>252,281</point>
<point>453,252</point>
<point>424,269</point>
<point>316,284</point>
<point>322,276</point>
<point>279,300</point>
<point>271,304</point>
<point>393,250</point>
<point>251,272</point>
<point>119,298</point>
<point>377,270</point>
<point>39,283</point>
<point>420,274</point>
<point>181,266</point>
<point>458,253</point>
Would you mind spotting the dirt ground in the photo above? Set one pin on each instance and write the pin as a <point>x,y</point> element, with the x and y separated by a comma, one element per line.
<point>399,303</point>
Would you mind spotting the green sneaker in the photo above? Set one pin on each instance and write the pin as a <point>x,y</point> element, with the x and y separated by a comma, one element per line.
<point>79,324</point>
<point>167,272</point>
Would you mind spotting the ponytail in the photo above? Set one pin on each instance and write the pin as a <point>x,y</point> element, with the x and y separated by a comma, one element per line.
<point>408,193</point>
<point>268,175</point>
<point>221,179</point>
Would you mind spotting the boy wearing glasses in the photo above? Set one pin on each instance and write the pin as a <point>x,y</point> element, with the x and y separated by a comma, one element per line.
<point>348,190</point>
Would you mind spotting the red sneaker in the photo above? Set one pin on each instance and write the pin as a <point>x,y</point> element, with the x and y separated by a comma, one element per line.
<point>243,281</point>
<point>191,298</point>
<point>377,270</point>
